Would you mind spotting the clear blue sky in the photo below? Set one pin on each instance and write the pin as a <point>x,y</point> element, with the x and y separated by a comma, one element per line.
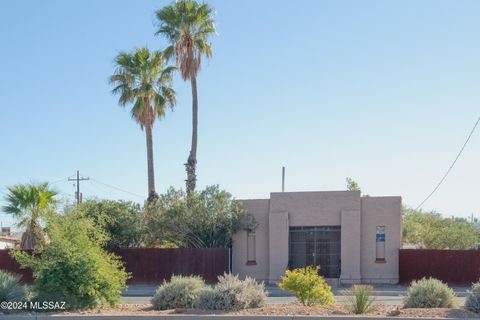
<point>384,92</point>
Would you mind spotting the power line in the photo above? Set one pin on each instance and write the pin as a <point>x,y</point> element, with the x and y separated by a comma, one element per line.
<point>451,166</point>
<point>78,179</point>
<point>116,188</point>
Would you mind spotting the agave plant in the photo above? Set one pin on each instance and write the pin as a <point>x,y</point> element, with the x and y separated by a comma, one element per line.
<point>10,287</point>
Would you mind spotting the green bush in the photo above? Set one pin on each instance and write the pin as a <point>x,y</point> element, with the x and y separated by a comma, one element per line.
<point>472,302</point>
<point>121,221</point>
<point>359,298</point>
<point>231,294</point>
<point>179,292</point>
<point>200,219</point>
<point>308,286</point>
<point>73,267</point>
<point>10,287</point>
<point>429,293</point>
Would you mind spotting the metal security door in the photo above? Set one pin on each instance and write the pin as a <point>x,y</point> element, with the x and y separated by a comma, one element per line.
<point>316,246</point>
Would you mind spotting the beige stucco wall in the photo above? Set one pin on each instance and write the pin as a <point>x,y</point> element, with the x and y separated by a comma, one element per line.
<point>357,216</point>
<point>350,246</point>
<point>260,209</point>
<point>381,211</point>
<point>312,208</point>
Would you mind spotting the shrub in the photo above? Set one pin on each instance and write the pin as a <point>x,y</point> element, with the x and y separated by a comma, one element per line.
<point>10,287</point>
<point>200,219</point>
<point>308,286</point>
<point>73,267</point>
<point>120,220</point>
<point>179,292</point>
<point>429,293</point>
<point>359,298</point>
<point>231,294</point>
<point>472,301</point>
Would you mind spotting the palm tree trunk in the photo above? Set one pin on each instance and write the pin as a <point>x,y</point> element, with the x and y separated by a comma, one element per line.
<point>28,238</point>
<point>191,164</point>
<point>32,238</point>
<point>152,195</point>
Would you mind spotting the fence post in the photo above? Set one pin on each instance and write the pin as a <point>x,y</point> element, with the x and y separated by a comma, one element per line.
<point>230,258</point>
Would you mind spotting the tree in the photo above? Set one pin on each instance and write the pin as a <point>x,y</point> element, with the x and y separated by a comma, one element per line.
<point>143,79</point>
<point>352,185</point>
<point>430,230</point>
<point>205,219</point>
<point>73,267</point>
<point>119,220</point>
<point>30,203</point>
<point>187,25</point>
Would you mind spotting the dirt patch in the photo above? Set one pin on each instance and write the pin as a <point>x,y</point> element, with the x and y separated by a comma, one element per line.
<point>288,309</point>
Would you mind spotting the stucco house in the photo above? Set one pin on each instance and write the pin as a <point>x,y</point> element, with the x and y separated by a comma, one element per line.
<point>352,238</point>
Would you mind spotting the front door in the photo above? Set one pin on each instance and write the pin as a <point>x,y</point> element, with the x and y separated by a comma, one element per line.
<point>315,246</point>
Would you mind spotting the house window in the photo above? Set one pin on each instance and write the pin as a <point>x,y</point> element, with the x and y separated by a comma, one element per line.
<point>380,244</point>
<point>251,248</point>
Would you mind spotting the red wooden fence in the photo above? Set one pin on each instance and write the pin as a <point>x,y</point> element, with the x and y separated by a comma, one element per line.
<point>456,267</point>
<point>152,265</point>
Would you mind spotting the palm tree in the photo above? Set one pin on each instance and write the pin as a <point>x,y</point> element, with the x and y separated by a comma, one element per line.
<point>143,79</point>
<point>187,25</point>
<point>30,203</point>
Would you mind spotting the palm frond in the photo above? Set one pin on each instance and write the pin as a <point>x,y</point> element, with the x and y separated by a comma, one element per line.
<point>139,78</point>
<point>187,25</point>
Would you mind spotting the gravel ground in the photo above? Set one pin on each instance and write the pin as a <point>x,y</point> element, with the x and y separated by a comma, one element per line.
<point>290,309</point>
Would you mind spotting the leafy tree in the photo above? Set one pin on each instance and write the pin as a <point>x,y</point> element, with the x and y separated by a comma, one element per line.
<point>187,25</point>
<point>352,185</point>
<point>73,267</point>
<point>205,219</point>
<point>430,230</point>
<point>143,79</point>
<point>120,221</point>
<point>30,203</point>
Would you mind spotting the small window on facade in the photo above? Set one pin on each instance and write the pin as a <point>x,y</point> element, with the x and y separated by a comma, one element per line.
<point>380,242</point>
<point>251,248</point>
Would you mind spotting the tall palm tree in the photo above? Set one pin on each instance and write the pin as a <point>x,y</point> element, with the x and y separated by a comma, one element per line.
<point>29,203</point>
<point>187,25</point>
<point>143,79</point>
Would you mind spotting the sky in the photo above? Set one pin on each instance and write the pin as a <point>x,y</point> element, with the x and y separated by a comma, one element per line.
<point>384,92</point>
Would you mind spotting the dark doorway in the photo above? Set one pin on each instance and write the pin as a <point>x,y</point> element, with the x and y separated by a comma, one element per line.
<point>316,246</point>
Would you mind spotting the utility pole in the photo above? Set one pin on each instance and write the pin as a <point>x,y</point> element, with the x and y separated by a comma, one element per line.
<point>78,195</point>
<point>283,179</point>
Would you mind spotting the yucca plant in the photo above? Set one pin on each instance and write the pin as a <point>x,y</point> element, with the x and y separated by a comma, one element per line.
<point>360,298</point>
<point>10,287</point>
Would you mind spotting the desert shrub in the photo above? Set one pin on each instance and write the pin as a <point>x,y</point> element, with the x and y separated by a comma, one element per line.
<point>472,301</point>
<point>308,286</point>
<point>179,292</point>
<point>360,298</point>
<point>73,267</point>
<point>429,293</point>
<point>120,220</point>
<point>200,219</point>
<point>231,293</point>
<point>10,287</point>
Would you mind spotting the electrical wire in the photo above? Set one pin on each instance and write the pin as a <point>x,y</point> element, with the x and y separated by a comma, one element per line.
<point>116,188</point>
<point>451,166</point>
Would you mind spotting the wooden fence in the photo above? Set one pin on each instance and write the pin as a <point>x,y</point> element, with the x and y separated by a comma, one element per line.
<point>456,267</point>
<point>152,265</point>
